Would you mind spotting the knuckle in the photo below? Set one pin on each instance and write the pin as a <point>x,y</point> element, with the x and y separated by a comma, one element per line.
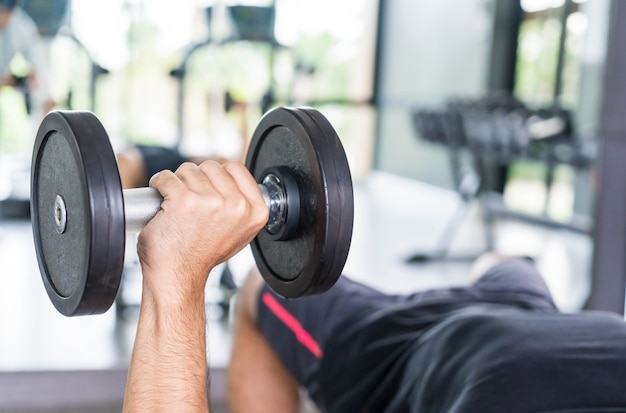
<point>209,166</point>
<point>238,170</point>
<point>186,203</point>
<point>260,214</point>
<point>238,205</point>
<point>215,204</point>
<point>186,167</point>
<point>235,166</point>
<point>191,203</point>
<point>161,176</point>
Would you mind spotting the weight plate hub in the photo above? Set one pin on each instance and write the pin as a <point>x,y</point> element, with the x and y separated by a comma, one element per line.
<point>77,213</point>
<point>302,142</point>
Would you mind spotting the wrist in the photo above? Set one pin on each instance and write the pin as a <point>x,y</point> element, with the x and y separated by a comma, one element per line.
<point>168,299</point>
<point>172,288</point>
<point>169,365</point>
<point>173,322</point>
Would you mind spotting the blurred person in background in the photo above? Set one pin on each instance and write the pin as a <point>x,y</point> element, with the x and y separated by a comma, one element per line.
<point>19,36</point>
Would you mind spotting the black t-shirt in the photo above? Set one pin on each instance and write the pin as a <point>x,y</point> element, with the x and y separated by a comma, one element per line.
<point>450,357</point>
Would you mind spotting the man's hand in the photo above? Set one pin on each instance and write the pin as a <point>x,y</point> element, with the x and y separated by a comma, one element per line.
<point>208,214</point>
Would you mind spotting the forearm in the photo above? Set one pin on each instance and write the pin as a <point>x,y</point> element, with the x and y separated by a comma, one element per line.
<point>168,369</point>
<point>208,214</point>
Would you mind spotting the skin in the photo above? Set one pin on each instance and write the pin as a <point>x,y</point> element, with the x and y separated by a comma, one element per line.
<point>209,213</point>
<point>257,380</point>
<point>132,167</point>
<point>5,16</point>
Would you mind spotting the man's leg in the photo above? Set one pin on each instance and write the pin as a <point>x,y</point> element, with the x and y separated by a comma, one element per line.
<point>515,279</point>
<point>132,168</point>
<point>280,344</point>
<point>257,380</point>
<point>138,163</point>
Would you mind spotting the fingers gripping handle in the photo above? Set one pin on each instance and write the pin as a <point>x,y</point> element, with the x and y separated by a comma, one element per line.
<point>142,204</point>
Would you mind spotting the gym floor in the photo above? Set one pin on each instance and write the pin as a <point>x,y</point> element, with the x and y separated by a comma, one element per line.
<point>52,363</point>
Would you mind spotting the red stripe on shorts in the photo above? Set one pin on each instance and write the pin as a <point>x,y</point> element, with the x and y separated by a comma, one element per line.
<point>294,325</point>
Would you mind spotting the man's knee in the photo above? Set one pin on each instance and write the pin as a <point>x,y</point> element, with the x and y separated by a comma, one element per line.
<point>132,168</point>
<point>487,261</point>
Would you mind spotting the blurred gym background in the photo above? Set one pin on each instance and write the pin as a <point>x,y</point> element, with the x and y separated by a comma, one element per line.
<point>470,125</point>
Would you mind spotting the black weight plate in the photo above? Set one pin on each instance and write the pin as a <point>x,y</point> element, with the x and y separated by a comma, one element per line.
<point>81,267</point>
<point>312,260</point>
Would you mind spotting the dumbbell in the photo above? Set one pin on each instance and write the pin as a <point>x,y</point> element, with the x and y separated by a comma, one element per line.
<point>80,214</point>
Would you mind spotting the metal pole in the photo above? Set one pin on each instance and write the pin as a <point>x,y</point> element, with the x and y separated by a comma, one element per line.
<point>560,63</point>
<point>609,256</point>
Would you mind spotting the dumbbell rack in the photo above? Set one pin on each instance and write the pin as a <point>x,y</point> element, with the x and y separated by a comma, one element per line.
<point>496,131</point>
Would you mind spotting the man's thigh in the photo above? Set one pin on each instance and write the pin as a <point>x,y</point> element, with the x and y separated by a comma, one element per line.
<point>298,329</point>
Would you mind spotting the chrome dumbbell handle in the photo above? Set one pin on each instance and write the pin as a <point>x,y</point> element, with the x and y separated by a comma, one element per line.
<point>142,204</point>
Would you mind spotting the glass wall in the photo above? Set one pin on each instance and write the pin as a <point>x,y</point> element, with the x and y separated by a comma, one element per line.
<point>559,66</point>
